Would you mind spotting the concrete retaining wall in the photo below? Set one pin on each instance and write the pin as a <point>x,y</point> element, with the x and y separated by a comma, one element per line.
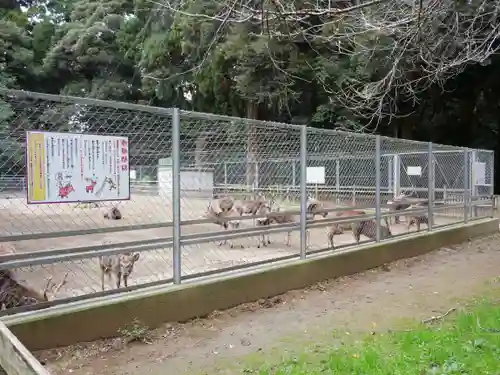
<point>15,359</point>
<point>66,325</point>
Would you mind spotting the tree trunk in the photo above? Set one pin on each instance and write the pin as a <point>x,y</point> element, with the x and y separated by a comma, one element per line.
<point>252,182</point>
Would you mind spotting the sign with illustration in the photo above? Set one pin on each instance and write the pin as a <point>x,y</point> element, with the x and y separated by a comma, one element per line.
<point>69,168</point>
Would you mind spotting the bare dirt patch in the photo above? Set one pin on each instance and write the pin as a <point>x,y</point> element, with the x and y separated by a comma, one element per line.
<point>413,288</point>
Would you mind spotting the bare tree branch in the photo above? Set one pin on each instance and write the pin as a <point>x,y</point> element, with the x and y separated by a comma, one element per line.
<point>404,46</point>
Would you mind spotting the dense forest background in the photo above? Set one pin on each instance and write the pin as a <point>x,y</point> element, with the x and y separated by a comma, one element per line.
<point>424,70</point>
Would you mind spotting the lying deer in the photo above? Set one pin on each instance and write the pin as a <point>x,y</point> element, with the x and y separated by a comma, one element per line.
<point>14,294</point>
<point>368,228</point>
<point>119,265</point>
<point>113,214</point>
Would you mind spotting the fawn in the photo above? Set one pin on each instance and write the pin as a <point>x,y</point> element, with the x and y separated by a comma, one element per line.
<point>120,265</point>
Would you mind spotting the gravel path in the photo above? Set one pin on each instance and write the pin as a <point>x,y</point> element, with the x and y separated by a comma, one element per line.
<point>414,288</point>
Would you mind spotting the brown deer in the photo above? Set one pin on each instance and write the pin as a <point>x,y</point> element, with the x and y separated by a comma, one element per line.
<point>314,206</point>
<point>337,229</point>
<point>332,232</point>
<point>265,209</point>
<point>119,265</point>
<point>368,228</point>
<point>416,219</point>
<point>282,218</point>
<point>113,214</point>
<point>14,294</point>
<point>224,208</point>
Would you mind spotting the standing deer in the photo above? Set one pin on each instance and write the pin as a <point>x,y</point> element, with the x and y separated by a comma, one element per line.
<point>225,208</point>
<point>119,265</point>
<point>314,207</point>
<point>403,202</point>
<point>416,218</point>
<point>265,209</point>
<point>337,229</point>
<point>282,218</point>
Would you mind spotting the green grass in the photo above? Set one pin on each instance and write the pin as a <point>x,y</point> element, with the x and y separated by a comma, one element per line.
<point>467,343</point>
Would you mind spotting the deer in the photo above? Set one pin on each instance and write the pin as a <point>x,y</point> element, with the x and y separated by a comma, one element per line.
<point>252,206</point>
<point>265,209</point>
<point>225,208</point>
<point>314,205</point>
<point>14,294</point>
<point>113,214</point>
<point>119,265</point>
<point>283,218</point>
<point>403,202</point>
<point>416,219</point>
<point>332,232</point>
<point>368,228</point>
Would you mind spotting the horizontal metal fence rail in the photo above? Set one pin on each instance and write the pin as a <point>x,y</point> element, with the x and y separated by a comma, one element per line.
<point>181,161</point>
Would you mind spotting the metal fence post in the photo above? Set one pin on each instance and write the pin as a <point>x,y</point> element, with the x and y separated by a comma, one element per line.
<point>466,186</point>
<point>430,187</point>
<point>303,192</point>
<point>176,195</point>
<point>377,186</point>
<point>492,183</point>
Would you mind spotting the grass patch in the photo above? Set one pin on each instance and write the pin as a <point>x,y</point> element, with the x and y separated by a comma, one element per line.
<point>466,343</point>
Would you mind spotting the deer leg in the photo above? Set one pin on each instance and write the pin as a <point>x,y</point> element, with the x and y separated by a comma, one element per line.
<point>118,279</point>
<point>330,240</point>
<point>262,240</point>
<point>102,280</point>
<point>386,222</point>
<point>418,224</point>
<point>289,239</point>
<point>125,280</point>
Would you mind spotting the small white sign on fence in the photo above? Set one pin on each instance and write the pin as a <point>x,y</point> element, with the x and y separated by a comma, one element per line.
<point>479,171</point>
<point>133,174</point>
<point>315,175</point>
<point>414,171</point>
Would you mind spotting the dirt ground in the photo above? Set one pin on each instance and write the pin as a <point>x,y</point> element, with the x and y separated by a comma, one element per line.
<point>418,288</point>
<point>83,276</point>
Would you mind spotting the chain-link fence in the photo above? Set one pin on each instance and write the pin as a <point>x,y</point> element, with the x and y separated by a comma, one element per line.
<point>180,163</point>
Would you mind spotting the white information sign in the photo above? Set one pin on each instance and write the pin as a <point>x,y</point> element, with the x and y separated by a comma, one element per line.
<point>414,171</point>
<point>315,175</point>
<point>69,168</point>
<point>133,174</point>
<point>479,170</point>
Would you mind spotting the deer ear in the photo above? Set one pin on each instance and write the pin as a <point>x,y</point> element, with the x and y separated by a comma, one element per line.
<point>136,257</point>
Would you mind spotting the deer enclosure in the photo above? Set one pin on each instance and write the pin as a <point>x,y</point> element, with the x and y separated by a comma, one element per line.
<point>180,162</point>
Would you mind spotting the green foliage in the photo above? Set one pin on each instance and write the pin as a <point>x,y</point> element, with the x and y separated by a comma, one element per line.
<point>139,51</point>
<point>135,332</point>
<point>468,344</point>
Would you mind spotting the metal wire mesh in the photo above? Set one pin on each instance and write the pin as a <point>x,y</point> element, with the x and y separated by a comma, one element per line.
<point>149,136</point>
<point>218,156</point>
<point>239,158</point>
